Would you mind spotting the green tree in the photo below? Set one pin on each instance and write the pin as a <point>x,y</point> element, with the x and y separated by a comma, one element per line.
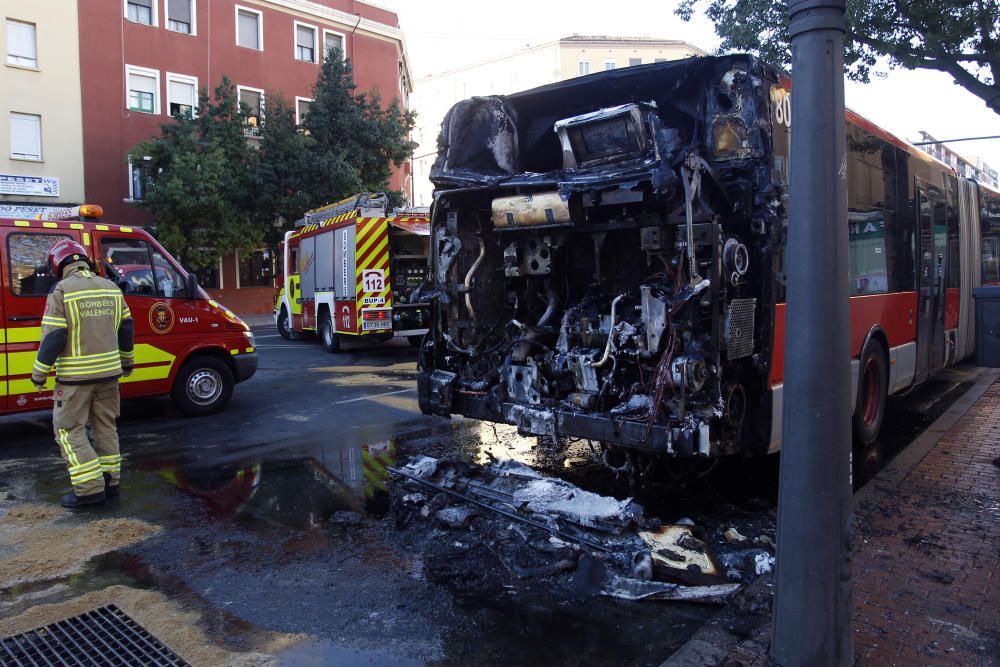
<point>958,37</point>
<point>357,139</point>
<point>200,187</point>
<point>283,169</point>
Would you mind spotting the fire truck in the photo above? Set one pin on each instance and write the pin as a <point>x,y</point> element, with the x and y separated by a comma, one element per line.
<point>351,272</point>
<point>186,344</point>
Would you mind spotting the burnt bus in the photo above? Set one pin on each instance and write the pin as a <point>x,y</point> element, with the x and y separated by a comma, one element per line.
<point>608,260</point>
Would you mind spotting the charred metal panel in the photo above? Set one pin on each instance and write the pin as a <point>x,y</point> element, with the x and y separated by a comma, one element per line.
<point>604,257</point>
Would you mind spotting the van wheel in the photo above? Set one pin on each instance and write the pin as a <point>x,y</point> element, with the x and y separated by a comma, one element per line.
<point>203,386</point>
<point>873,384</point>
<point>284,324</point>
<point>327,334</point>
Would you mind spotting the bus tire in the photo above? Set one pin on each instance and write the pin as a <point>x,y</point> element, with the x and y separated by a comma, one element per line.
<point>327,334</point>
<point>284,324</point>
<point>203,386</point>
<point>873,385</point>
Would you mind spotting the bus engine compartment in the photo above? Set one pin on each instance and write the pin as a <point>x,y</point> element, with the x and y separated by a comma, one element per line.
<point>602,256</point>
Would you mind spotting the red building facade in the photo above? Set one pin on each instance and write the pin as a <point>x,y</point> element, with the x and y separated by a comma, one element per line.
<point>143,60</point>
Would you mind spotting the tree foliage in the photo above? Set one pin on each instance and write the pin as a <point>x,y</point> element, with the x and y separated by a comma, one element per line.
<point>218,185</point>
<point>357,140</point>
<point>958,37</point>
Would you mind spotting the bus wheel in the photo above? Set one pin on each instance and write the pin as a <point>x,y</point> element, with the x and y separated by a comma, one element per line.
<point>203,386</point>
<point>327,334</point>
<point>873,383</point>
<point>284,324</point>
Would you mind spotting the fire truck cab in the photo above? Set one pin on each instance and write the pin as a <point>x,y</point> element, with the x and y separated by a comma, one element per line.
<point>186,344</point>
<point>349,270</point>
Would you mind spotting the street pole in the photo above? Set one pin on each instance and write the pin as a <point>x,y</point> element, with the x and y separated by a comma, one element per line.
<point>813,606</point>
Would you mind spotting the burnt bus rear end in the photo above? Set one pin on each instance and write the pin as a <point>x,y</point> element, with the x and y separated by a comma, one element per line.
<point>602,258</point>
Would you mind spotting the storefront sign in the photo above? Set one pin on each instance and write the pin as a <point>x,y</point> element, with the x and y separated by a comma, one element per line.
<point>34,186</point>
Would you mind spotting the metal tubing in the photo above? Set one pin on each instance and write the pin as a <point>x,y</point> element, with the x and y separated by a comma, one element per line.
<point>812,614</point>
<point>468,280</point>
<point>611,334</point>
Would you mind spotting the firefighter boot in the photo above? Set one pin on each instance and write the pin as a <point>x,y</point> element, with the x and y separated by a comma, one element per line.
<point>111,489</point>
<point>73,501</point>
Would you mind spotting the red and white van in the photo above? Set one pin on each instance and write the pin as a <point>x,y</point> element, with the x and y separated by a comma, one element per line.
<point>186,344</point>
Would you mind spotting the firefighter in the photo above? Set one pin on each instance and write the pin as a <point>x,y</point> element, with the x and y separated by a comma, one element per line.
<point>87,335</point>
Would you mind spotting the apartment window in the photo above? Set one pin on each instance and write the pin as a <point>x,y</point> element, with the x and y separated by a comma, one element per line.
<point>253,98</point>
<point>305,42</point>
<point>583,67</point>
<point>632,62</point>
<point>25,136</point>
<point>659,60</point>
<point>182,95</point>
<point>140,177</point>
<point>180,16</point>
<point>331,41</point>
<point>257,269</point>
<point>21,50</point>
<point>249,28</point>
<point>143,86</point>
<point>141,11</point>
<point>609,65</point>
<point>301,109</point>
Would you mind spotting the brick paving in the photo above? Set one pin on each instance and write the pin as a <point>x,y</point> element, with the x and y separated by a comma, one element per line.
<point>927,558</point>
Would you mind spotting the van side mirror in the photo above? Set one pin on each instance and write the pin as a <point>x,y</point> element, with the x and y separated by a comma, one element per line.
<point>191,286</point>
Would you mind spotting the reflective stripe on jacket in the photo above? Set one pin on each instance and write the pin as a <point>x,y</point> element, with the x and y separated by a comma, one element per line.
<point>82,329</point>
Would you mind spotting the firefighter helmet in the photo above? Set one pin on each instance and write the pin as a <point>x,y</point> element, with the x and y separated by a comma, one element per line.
<point>64,252</point>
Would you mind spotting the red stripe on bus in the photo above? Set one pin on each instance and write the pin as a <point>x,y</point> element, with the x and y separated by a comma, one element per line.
<point>896,313</point>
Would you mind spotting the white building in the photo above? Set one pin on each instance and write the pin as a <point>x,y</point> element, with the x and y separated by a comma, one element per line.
<point>967,166</point>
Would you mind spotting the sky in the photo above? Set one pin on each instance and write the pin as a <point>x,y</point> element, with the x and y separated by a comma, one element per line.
<point>444,34</point>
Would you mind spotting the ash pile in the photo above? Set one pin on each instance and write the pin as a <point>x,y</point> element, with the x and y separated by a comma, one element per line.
<point>504,527</point>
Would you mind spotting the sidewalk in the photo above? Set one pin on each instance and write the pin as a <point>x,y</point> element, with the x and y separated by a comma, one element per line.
<point>927,554</point>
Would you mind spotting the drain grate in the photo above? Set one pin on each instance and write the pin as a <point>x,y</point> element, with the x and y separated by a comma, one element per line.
<point>104,636</point>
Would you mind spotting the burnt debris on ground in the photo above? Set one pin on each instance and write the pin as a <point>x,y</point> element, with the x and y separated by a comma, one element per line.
<point>504,527</point>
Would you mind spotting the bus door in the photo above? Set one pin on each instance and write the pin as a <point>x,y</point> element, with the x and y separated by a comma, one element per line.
<point>26,284</point>
<point>932,241</point>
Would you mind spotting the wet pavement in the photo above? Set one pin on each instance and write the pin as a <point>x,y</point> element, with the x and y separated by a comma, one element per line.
<point>273,517</point>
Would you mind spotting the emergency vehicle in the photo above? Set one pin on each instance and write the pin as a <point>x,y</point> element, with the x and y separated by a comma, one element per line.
<point>350,270</point>
<point>186,344</point>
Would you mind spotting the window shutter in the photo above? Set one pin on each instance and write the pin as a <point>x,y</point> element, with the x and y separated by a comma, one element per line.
<point>21,39</point>
<point>142,84</point>
<point>26,135</point>
<point>248,31</point>
<point>182,93</point>
<point>148,4</point>
<point>304,37</point>
<point>179,10</point>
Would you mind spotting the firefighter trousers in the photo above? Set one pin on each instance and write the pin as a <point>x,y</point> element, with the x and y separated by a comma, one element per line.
<point>88,458</point>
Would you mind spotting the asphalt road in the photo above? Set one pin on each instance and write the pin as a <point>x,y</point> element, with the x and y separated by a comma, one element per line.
<point>273,519</point>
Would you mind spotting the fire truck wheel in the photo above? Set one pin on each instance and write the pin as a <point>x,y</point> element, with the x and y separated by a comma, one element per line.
<point>284,325</point>
<point>327,335</point>
<point>415,341</point>
<point>203,386</point>
<point>873,382</point>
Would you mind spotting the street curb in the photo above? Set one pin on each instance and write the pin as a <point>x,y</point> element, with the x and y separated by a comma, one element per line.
<point>713,642</point>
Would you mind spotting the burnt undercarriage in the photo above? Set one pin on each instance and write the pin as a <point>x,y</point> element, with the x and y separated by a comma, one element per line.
<point>601,256</point>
